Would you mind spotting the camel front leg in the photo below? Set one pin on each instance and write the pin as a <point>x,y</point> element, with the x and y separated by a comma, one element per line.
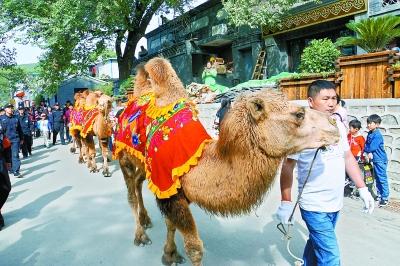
<point>104,153</point>
<point>73,146</point>
<point>130,175</point>
<point>91,148</point>
<point>176,209</point>
<point>144,218</point>
<point>79,144</point>
<point>171,255</point>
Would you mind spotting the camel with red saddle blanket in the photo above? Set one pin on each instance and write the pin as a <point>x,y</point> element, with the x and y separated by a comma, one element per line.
<point>183,165</point>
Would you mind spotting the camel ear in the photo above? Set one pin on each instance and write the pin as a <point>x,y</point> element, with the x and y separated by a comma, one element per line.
<point>256,107</point>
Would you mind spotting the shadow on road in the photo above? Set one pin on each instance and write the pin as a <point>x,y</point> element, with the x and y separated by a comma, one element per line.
<point>31,178</point>
<point>32,209</point>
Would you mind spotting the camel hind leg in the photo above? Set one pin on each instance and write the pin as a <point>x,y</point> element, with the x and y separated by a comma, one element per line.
<point>130,174</point>
<point>91,154</point>
<point>176,210</point>
<point>144,218</point>
<point>104,153</point>
<point>171,255</point>
<point>79,144</point>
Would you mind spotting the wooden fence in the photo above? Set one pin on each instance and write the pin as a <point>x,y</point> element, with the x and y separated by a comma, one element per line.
<point>296,89</point>
<point>358,77</point>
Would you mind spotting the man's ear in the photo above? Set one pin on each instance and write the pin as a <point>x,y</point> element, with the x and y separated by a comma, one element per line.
<point>256,108</point>
<point>310,102</point>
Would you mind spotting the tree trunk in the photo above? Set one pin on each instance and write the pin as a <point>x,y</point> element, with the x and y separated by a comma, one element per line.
<point>126,61</point>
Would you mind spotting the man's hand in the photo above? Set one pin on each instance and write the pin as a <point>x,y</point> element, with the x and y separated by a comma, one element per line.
<point>284,212</point>
<point>369,203</point>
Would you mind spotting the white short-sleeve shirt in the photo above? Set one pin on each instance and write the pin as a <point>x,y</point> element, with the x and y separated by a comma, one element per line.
<point>323,191</point>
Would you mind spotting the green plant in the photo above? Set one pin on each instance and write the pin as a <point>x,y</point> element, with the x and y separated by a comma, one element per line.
<point>319,56</point>
<point>373,34</point>
<point>126,85</point>
<point>107,88</point>
<point>38,98</point>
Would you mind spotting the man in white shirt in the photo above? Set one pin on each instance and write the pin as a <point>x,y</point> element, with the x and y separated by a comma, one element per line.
<point>322,196</point>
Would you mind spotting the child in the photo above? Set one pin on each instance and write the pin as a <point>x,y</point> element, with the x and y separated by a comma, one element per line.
<point>45,128</point>
<point>355,139</point>
<point>376,153</point>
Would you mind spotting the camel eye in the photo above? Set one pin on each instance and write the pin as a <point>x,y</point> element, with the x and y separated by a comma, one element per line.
<point>300,115</point>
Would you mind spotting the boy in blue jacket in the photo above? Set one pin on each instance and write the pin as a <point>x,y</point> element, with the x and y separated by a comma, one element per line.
<point>376,153</point>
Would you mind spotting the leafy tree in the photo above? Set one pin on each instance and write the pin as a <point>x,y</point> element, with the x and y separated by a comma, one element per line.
<point>255,13</point>
<point>10,79</point>
<point>319,56</point>
<point>7,56</point>
<point>107,88</point>
<point>71,30</point>
<point>373,34</point>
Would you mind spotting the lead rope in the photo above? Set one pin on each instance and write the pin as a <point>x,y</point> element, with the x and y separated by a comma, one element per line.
<point>281,226</point>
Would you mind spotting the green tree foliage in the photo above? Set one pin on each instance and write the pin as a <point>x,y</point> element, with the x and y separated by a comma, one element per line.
<point>7,56</point>
<point>72,30</point>
<point>255,13</point>
<point>126,85</point>
<point>372,34</point>
<point>319,56</point>
<point>10,79</point>
<point>107,88</point>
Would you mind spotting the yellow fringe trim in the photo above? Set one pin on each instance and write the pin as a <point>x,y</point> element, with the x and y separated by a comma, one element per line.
<point>154,112</point>
<point>90,129</point>
<point>75,127</point>
<point>119,146</point>
<point>176,174</point>
<point>90,107</point>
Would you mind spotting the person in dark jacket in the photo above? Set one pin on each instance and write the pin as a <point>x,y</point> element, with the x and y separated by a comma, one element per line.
<point>12,130</point>
<point>5,184</point>
<point>26,126</point>
<point>225,106</point>
<point>58,124</point>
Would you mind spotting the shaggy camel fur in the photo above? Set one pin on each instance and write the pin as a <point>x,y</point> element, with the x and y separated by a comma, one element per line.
<point>101,128</point>
<point>75,132</point>
<point>235,171</point>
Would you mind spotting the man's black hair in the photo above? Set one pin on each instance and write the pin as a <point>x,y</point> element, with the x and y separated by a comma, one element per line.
<point>374,118</point>
<point>318,85</point>
<point>355,124</point>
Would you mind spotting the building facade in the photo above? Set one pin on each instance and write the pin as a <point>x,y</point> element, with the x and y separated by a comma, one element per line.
<point>315,20</point>
<point>190,40</point>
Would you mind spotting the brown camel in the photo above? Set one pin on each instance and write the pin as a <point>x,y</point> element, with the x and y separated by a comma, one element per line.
<point>76,126</point>
<point>100,127</point>
<point>235,171</point>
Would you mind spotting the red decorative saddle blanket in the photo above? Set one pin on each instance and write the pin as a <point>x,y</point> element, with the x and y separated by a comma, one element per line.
<point>175,141</point>
<point>88,119</point>
<point>76,120</point>
<point>131,131</point>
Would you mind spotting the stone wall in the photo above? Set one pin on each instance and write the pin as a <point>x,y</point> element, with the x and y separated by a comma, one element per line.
<point>388,109</point>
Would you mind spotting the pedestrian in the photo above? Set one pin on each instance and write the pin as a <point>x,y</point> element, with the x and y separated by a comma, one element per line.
<point>340,111</point>
<point>44,127</point>
<point>49,114</point>
<point>5,165</point>
<point>58,124</point>
<point>12,130</point>
<point>68,121</point>
<point>225,106</point>
<point>26,126</point>
<point>374,147</point>
<point>355,139</point>
<point>322,194</point>
<point>2,111</point>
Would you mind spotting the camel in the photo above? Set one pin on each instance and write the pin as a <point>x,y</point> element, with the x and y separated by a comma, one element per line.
<point>233,173</point>
<point>76,125</point>
<point>97,123</point>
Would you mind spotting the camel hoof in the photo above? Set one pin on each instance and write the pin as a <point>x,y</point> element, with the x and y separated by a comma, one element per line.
<point>81,161</point>
<point>94,170</point>
<point>145,221</point>
<point>142,240</point>
<point>106,173</point>
<point>173,258</point>
<point>72,150</point>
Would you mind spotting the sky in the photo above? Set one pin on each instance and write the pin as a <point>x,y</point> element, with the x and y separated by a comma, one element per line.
<point>27,54</point>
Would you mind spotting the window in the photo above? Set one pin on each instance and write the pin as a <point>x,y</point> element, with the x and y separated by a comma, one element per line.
<point>386,3</point>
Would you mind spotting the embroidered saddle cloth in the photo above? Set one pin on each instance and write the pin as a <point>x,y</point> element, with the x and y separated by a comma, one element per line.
<point>88,120</point>
<point>76,120</point>
<point>130,134</point>
<point>175,142</point>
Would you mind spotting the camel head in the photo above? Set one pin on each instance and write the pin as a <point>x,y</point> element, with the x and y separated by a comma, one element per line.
<point>164,80</point>
<point>105,104</point>
<point>266,122</point>
<point>142,83</point>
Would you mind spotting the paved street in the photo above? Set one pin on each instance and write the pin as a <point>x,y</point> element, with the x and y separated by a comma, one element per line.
<point>60,214</point>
